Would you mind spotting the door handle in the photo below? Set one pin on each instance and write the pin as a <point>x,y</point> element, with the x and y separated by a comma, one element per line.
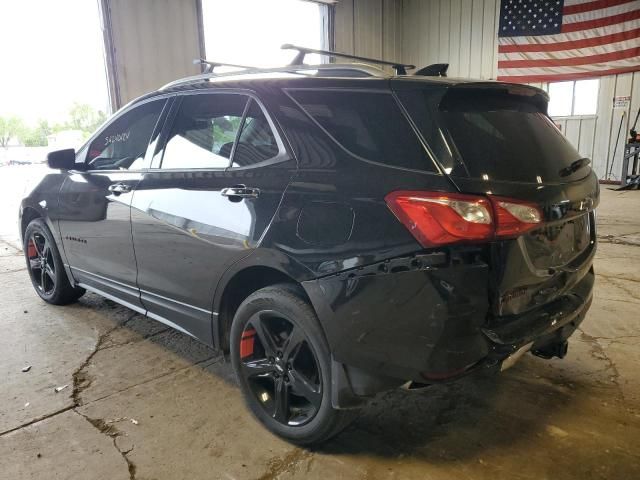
<point>118,188</point>
<point>240,191</point>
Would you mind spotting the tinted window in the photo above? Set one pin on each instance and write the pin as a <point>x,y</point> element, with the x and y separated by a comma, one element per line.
<point>369,125</point>
<point>257,142</point>
<point>123,143</point>
<point>493,135</point>
<point>204,131</point>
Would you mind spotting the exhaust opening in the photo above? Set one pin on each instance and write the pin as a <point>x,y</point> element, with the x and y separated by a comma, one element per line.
<point>558,349</point>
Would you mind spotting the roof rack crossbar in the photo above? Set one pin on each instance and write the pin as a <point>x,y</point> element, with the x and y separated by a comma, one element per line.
<point>210,65</point>
<point>400,68</point>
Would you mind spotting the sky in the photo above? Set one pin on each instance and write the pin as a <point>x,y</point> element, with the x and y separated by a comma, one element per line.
<point>51,55</point>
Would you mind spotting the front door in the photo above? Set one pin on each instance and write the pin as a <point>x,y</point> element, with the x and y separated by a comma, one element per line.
<point>222,174</point>
<point>95,205</point>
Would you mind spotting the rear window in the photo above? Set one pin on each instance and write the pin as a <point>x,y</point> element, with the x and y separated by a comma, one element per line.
<point>369,125</point>
<point>493,134</point>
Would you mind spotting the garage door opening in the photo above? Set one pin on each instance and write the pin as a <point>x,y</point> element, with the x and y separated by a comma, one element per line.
<point>250,32</point>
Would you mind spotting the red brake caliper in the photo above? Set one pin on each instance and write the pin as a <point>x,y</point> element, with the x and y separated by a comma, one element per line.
<point>31,249</point>
<point>246,344</point>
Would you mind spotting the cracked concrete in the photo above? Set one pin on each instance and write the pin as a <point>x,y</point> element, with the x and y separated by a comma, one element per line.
<point>63,446</point>
<point>147,402</point>
<point>109,429</point>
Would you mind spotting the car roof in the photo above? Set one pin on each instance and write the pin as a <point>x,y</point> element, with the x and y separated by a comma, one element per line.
<point>283,80</point>
<point>279,80</point>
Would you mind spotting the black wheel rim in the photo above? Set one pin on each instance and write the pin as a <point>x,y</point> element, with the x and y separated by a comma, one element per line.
<point>41,265</point>
<point>280,368</point>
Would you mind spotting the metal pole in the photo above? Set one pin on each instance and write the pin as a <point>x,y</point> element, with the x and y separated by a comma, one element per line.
<point>615,148</point>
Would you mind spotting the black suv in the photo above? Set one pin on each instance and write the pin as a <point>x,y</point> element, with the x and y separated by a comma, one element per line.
<point>340,230</point>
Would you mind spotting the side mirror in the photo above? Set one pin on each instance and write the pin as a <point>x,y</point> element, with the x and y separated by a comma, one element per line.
<point>62,159</point>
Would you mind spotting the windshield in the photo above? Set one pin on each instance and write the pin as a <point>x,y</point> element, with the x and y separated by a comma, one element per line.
<point>494,134</point>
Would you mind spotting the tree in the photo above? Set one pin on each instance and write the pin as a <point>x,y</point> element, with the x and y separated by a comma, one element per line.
<point>82,117</point>
<point>85,118</point>
<point>36,136</point>
<point>10,127</point>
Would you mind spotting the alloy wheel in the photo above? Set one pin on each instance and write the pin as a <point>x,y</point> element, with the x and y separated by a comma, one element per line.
<point>281,368</point>
<point>41,263</point>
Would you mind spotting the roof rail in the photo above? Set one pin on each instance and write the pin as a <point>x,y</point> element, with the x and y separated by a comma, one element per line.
<point>400,68</point>
<point>211,65</point>
<point>337,69</point>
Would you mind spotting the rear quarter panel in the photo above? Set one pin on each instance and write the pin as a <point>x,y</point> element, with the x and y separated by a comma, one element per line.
<point>333,216</point>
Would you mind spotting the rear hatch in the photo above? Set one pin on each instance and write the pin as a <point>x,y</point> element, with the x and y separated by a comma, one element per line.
<point>496,139</point>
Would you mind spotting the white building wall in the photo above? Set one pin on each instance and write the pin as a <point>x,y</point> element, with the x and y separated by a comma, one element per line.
<point>463,33</point>
<point>369,28</point>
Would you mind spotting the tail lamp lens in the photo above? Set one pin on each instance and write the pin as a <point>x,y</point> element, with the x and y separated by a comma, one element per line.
<point>514,219</point>
<point>437,219</point>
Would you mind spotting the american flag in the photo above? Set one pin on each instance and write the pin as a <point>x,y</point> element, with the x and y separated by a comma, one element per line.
<point>554,40</point>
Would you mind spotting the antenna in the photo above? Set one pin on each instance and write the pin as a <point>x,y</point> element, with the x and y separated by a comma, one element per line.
<point>210,65</point>
<point>400,68</point>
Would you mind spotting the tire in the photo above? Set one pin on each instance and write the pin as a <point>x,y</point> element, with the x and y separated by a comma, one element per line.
<point>45,266</point>
<point>296,365</point>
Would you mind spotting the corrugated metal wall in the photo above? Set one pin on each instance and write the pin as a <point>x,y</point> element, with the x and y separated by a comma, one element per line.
<point>153,42</point>
<point>369,28</point>
<point>463,33</point>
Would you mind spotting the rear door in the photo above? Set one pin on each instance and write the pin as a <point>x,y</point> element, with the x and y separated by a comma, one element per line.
<point>216,183</point>
<point>496,139</point>
<point>95,203</point>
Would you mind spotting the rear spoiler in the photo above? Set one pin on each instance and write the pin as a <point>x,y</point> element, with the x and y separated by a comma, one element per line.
<point>513,88</point>
<point>435,70</point>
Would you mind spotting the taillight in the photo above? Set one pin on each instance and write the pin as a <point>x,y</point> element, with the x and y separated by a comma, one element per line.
<point>514,217</point>
<point>436,218</point>
<point>441,219</point>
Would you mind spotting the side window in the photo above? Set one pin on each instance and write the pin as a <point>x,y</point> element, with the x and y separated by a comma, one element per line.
<point>122,145</point>
<point>257,142</point>
<point>369,125</point>
<point>204,131</point>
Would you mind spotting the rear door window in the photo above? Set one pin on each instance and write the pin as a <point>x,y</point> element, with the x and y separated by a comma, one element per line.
<point>257,142</point>
<point>204,131</point>
<point>369,125</point>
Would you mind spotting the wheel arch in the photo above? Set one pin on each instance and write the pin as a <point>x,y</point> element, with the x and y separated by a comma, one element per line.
<point>237,289</point>
<point>28,215</point>
<point>29,211</point>
<point>260,269</point>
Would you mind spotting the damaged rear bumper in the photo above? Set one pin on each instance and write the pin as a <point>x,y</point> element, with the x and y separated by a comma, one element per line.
<point>544,324</point>
<point>427,322</point>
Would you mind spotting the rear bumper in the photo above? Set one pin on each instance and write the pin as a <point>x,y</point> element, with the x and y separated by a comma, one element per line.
<point>543,321</point>
<point>430,324</point>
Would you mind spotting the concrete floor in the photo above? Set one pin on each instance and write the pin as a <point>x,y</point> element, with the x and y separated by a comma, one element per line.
<point>146,402</point>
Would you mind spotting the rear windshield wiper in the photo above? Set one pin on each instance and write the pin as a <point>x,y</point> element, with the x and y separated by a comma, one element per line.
<point>574,167</point>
